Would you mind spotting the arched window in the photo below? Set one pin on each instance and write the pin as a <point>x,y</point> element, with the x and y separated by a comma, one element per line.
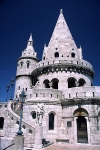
<point>55,83</point>
<point>1,123</point>
<point>81,82</point>
<point>71,82</point>
<point>28,64</point>
<point>46,83</point>
<point>51,121</point>
<point>21,64</point>
<point>56,54</point>
<point>73,55</point>
<point>44,58</point>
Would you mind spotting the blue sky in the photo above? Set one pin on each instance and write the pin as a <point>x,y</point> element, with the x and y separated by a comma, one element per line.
<point>19,18</point>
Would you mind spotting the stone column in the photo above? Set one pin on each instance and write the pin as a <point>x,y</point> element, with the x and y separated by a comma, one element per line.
<point>88,129</point>
<point>38,136</point>
<point>19,142</point>
<point>75,129</point>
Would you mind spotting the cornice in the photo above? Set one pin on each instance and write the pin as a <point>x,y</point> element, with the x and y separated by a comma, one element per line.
<point>63,67</point>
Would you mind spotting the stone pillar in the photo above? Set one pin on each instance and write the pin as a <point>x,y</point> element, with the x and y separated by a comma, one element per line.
<point>19,142</point>
<point>75,129</point>
<point>38,136</point>
<point>88,129</point>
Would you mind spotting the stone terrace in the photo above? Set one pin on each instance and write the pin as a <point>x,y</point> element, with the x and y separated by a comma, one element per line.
<point>72,147</point>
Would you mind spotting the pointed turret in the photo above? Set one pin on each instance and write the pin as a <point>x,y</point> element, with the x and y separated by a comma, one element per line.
<point>29,51</point>
<point>25,65</point>
<point>61,41</point>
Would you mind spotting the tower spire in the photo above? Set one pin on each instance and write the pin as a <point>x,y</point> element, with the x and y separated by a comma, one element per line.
<point>29,51</point>
<point>30,41</point>
<point>61,11</point>
<point>61,40</point>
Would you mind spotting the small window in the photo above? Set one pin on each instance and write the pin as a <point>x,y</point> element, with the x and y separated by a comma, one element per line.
<point>56,54</point>
<point>51,121</point>
<point>43,58</point>
<point>73,55</point>
<point>30,131</point>
<point>1,123</point>
<point>18,87</point>
<point>21,64</point>
<point>28,64</point>
<point>17,122</point>
<point>23,126</point>
<point>69,123</point>
<point>34,115</point>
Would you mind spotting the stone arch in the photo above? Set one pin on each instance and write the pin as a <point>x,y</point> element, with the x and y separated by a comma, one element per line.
<point>80,112</point>
<point>46,83</point>
<point>55,83</point>
<point>81,82</point>
<point>1,122</point>
<point>71,82</point>
<point>81,125</point>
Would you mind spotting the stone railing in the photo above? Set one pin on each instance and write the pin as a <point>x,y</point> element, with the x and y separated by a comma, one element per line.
<point>68,61</point>
<point>13,116</point>
<point>54,95</point>
<point>82,92</point>
<point>44,95</point>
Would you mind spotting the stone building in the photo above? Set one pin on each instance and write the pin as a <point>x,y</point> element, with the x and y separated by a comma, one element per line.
<point>63,83</point>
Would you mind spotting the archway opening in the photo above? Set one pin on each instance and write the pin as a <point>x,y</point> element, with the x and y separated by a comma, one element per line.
<point>55,83</point>
<point>81,82</point>
<point>56,54</point>
<point>82,136</point>
<point>1,123</point>
<point>71,82</point>
<point>51,121</point>
<point>46,84</point>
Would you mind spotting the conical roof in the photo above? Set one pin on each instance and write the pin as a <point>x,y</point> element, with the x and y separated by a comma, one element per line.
<point>61,41</point>
<point>29,51</point>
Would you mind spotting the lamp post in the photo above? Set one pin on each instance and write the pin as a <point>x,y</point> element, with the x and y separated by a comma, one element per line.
<point>22,100</point>
<point>12,83</point>
<point>7,88</point>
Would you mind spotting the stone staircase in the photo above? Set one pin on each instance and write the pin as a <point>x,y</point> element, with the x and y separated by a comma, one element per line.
<point>27,129</point>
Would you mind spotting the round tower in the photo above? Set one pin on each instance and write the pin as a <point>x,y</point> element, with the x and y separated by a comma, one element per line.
<point>25,64</point>
<point>62,66</point>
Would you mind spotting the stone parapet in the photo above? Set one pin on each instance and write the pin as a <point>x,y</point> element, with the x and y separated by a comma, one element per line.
<point>64,61</point>
<point>44,94</point>
<point>63,65</point>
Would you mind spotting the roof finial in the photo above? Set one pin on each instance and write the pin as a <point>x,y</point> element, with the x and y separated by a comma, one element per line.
<point>30,38</point>
<point>61,11</point>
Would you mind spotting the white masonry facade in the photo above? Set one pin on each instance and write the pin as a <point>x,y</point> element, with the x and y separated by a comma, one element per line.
<point>63,83</point>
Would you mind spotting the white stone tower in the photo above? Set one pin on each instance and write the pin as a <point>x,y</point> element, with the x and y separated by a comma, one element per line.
<point>26,63</point>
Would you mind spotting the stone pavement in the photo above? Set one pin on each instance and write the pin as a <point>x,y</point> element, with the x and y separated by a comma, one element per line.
<point>72,147</point>
<point>69,147</point>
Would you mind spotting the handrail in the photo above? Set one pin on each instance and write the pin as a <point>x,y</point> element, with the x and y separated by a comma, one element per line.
<point>15,115</point>
<point>9,146</point>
